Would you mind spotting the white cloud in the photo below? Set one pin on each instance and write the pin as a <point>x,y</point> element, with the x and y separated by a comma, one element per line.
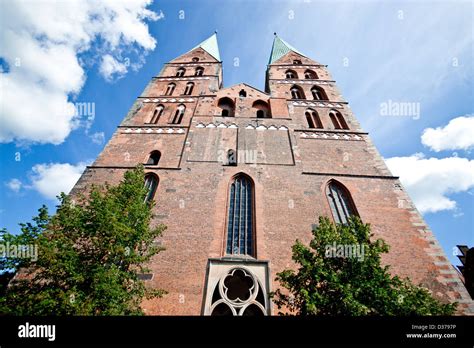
<point>430,181</point>
<point>46,45</point>
<point>458,134</point>
<point>97,138</point>
<point>111,68</point>
<point>53,178</point>
<point>160,15</point>
<point>14,185</point>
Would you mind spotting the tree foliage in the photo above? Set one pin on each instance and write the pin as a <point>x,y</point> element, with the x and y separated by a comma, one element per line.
<point>327,284</point>
<point>90,254</point>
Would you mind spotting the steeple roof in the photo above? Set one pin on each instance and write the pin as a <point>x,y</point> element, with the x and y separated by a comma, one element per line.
<point>210,46</point>
<point>280,48</point>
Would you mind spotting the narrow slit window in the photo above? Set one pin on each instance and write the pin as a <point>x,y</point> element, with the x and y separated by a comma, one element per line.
<point>151,183</point>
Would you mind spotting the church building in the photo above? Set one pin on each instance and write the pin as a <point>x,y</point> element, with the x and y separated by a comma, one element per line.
<point>238,174</point>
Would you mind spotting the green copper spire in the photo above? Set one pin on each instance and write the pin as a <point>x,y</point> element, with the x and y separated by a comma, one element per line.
<point>210,46</point>
<point>280,48</point>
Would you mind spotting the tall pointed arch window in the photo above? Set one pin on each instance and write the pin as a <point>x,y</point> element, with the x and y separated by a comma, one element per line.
<point>180,72</point>
<point>151,183</point>
<point>240,217</point>
<point>291,74</point>
<point>297,92</point>
<point>340,201</point>
<point>313,119</point>
<point>170,88</point>
<point>318,93</point>
<point>189,88</point>
<point>179,114</point>
<point>199,71</point>
<point>310,74</point>
<point>157,113</point>
<point>338,120</point>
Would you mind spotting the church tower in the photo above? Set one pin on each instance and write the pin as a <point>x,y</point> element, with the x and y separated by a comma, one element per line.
<point>238,174</point>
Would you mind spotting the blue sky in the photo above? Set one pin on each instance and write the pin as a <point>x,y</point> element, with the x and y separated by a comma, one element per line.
<point>417,52</point>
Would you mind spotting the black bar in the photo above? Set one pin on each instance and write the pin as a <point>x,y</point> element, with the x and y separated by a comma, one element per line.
<point>223,331</point>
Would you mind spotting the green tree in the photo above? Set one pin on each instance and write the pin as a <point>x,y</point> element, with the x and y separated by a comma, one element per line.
<point>327,284</point>
<point>90,254</point>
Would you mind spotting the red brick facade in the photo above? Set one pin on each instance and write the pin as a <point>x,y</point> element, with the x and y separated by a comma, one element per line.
<point>289,164</point>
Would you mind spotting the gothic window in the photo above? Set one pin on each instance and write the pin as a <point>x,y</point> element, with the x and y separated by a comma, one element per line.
<point>238,292</point>
<point>338,120</point>
<point>313,119</point>
<point>151,183</point>
<point>240,217</point>
<point>157,114</point>
<point>309,119</point>
<point>178,115</point>
<point>242,93</point>
<point>262,109</point>
<point>342,121</point>
<point>199,71</point>
<point>195,59</point>
<point>297,92</point>
<point>310,74</point>
<point>154,158</point>
<point>340,201</point>
<point>189,88</point>
<point>297,62</point>
<point>227,107</point>
<point>291,74</point>
<point>170,89</point>
<point>318,93</point>
<point>180,72</point>
<point>334,121</point>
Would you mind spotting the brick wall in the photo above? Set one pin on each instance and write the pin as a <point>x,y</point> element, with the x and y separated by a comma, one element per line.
<point>291,169</point>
